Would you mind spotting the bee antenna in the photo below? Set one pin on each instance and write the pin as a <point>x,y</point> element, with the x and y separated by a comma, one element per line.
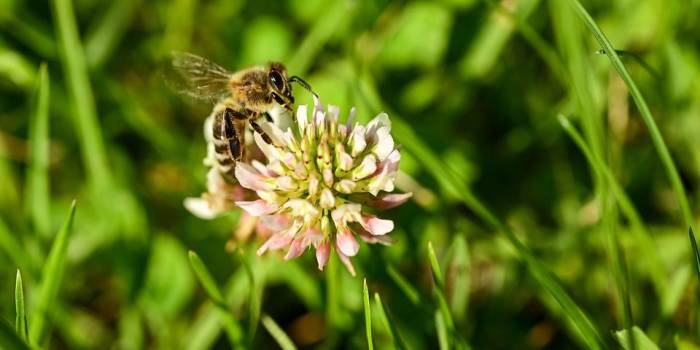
<point>304,84</point>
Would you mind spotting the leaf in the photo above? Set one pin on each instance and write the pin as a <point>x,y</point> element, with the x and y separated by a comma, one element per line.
<point>231,325</point>
<point>20,315</point>
<point>37,187</point>
<point>51,278</point>
<point>277,333</point>
<point>640,338</point>
<point>368,315</point>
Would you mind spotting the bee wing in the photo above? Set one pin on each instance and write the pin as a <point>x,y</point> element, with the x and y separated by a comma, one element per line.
<point>197,77</point>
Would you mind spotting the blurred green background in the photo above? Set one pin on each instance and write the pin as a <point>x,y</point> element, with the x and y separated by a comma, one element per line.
<point>473,88</point>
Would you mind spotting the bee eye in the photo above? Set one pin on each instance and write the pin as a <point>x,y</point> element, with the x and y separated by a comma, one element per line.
<point>276,80</point>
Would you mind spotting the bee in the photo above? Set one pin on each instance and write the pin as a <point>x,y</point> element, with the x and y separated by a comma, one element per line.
<point>240,99</point>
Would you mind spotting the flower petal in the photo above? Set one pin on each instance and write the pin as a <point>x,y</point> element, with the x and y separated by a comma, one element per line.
<point>295,249</point>
<point>200,208</point>
<point>323,252</point>
<point>257,207</point>
<point>376,226</point>
<point>346,243</point>
<point>251,179</point>
<point>327,200</point>
<point>348,264</point>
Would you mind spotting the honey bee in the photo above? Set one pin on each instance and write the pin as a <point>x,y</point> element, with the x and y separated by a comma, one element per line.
<point>240,99</point>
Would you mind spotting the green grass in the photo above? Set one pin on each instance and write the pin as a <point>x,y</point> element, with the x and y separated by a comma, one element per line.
<point>525,230</point>
<point>52,276</point>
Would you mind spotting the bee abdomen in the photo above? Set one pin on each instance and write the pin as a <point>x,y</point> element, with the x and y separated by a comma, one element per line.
<point>227,143</point>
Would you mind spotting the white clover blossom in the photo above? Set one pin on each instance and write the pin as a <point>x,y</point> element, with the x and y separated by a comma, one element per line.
<point>319,177</point>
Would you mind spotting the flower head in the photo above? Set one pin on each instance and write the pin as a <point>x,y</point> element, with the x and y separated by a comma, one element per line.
<point>311,186</point>
<point>318,177</point>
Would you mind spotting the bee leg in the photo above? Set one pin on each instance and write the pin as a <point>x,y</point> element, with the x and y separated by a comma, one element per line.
<point>233,114</point>
<point>232,135</point>
<point>260,131</point>
<point>268,117</point>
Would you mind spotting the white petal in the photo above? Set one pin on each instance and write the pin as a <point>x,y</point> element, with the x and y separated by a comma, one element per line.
<point>200,208</point>
<point>366,168</point>
<point>327,200</point>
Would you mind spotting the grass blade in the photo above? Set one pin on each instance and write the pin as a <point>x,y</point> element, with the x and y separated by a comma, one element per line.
<point>276,332</point>
<point>696,253</point>
<point>231,325</point>
<point>459,272</point>
<point>403,284</point>
<point>456,186</point>
<point>37,188</point>
<point>441,331</point>
<point>110,28</point>
<point>51,278</point>
<point>656,266</point>
<point>368,315</point>
<point>388,323</point>
<point>13,248</point>
<point>80,93</point>
<point>656,137</point>
<point>644,343</point>
<point>255,292</point>
<point>20,315</point>
<point>9,339</point>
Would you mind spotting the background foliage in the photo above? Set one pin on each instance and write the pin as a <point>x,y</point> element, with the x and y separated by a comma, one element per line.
<point>584,236</point>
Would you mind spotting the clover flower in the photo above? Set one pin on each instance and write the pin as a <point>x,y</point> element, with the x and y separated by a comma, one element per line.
<point>318,179</point>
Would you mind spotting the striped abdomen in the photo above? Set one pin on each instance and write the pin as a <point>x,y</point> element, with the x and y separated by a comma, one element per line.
<point>228,142</point>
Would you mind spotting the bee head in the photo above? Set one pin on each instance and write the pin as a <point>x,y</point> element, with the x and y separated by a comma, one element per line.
<point>280,91</point>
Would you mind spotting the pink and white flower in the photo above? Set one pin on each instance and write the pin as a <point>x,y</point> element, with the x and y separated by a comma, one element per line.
<point>317,178</point>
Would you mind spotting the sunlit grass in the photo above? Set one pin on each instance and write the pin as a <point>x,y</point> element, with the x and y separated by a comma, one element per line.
<point>536,232</point>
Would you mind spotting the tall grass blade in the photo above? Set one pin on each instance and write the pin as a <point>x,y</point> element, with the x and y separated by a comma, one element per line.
<point>255,293</point>
<point>655,265</point>
<point>9,339</point>
<point>696,253</point>
<point>231,325</point>
<point>37,188</point>
<point>318,35</point>
<point>644,342</point>
<point>455,185</point>
<point>109,29</point>
<point>656,137</point>
<point>441,331</point>
<point>444,308</point>
<point>277,333</point>
<point>389,323</point>
<point>20,314</point>
<point>51,278</point>
<point>403,284</point>
<point>80,93</point>
<point>13,248</point>
<point>459,277</point>
<point>368,315</point>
